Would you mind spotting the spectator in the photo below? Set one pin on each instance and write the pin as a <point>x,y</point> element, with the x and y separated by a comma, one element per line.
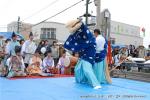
<point>41,44</point>
<point>21,42</point>
<point>13,44</point>
<point>47,46</point>
<point>48,63</point>
<point>61,66</point>
<point>136,53</point>
<point>35,64</point>
<point>28,49</point>
<point>131,50</point>
<point>6,50</point>
<point>142,52</point>
<point>15,64</point>
<point>115,51</point>
<point>6,46</point>
<point>124,52</point>
<point>148,53</point>
<point>3,69</point>
<point>61,49</point>
<point>55,52</point>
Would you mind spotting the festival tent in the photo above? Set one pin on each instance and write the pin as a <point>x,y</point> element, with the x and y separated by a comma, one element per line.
<point>7,35</point>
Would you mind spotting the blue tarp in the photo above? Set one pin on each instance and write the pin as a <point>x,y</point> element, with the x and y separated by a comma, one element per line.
<point>117,46</point>
<point>67,89</point>
<point>7,35</point>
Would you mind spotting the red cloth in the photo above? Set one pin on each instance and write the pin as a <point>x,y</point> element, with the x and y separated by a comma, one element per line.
<point>35,77</point>
<point>109,55</point>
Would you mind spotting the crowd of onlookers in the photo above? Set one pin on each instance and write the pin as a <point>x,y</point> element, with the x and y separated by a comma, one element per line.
<point>47,59</point>
<point>26,57</point>
<point>121,53</point>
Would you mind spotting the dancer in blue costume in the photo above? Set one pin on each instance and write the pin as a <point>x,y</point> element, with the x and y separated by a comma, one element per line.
<point>83,41</point>
<point>100,67</point>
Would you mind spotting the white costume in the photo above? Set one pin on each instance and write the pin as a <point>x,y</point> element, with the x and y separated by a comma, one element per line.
<point>48,62</point>
<point>100,67</point>
<point>28,49</point>
<point>100,42</point>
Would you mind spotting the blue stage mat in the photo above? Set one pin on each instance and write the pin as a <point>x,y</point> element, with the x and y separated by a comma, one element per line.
<point>67,89</point>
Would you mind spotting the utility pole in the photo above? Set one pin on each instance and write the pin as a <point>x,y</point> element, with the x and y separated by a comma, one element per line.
<point>98,13</point>
<point>87,13</point>
<point>18,22</point>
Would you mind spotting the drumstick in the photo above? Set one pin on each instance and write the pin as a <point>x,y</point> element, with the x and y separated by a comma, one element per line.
<point>118,65</point>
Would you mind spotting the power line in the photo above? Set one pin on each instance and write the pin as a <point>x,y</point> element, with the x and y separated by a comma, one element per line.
<point>59,12</point>
<point>41,10</point>
<point>56,14</point>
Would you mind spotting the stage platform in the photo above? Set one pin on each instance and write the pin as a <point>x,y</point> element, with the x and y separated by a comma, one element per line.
<point>66,89</point>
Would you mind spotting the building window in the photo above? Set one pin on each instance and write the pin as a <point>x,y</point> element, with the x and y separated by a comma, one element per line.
<point>48,33</point>
<point>115,28</point>
<point>122,30</point>
<point>127,31</point>
<point>112,40</point>
<point>53,33</point>
<point>44,32</point>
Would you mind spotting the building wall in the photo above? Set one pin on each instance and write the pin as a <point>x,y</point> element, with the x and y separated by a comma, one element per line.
<point>127,40</point>
<point>125,34</point>
<point>61,32</point>
<point>122,33</point>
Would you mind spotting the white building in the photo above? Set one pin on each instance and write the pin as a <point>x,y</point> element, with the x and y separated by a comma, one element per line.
<point>121,33</point>
<point>125,34</point>
<point>51,31</point>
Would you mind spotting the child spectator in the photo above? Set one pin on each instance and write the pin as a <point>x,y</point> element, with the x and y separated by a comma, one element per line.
<point>48,63</point>
<point>35,64</point>
<point>62,62</point>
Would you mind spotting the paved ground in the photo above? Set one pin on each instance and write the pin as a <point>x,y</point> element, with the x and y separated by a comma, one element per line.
<point>140,76</point>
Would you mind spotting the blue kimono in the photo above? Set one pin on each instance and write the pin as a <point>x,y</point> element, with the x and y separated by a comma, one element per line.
<point>83,42</point>
<point>12,46</point>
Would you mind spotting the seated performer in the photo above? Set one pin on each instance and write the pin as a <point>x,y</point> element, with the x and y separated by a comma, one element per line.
<point>15,64</point>
<point>35,64</point>
<point>48,63</point>
<point>3,69</point>
<point>100,66</point>
<point>61,63</point>
<point>83,41</point>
